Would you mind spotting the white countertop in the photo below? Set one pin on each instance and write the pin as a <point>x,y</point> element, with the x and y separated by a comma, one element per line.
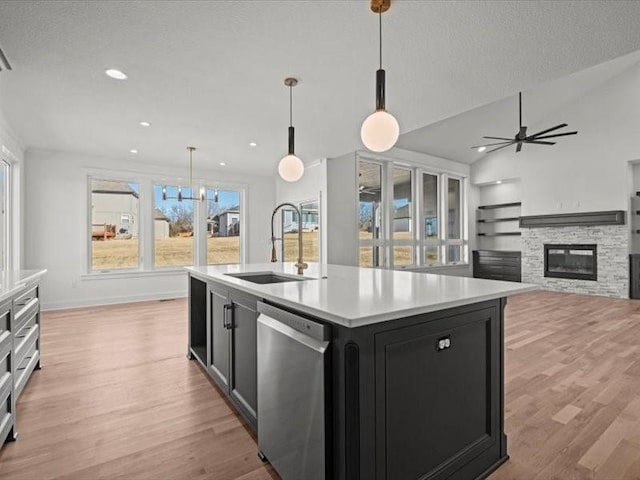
<point>354,297</point>
<point>12,281</point>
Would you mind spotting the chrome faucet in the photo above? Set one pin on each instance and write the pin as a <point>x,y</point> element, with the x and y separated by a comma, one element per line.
<point>274,258</point>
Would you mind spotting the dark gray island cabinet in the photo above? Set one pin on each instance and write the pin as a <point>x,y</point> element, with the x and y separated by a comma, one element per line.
<point>418,396</point>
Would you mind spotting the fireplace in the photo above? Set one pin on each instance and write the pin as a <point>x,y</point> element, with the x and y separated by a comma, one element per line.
<point>574,261</point>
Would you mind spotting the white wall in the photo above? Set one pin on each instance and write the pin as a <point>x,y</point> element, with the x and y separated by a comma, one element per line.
<point>586,172</point>
<point>56,239</point>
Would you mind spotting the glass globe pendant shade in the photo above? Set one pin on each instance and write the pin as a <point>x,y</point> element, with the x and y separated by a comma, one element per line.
<point>380,131</point>
<point>291,168</point>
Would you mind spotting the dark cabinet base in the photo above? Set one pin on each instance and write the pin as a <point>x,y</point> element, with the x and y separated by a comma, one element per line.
<point>498,265</point>
<point>634,276</point>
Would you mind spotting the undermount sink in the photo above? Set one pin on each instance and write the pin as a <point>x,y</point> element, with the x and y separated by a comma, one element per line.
<point>266,277</point>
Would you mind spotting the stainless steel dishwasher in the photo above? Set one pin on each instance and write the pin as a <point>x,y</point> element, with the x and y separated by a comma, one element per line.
<point>292,390</point>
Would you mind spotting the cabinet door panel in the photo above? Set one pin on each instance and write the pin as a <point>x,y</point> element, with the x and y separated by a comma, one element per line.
<point>219,335</point>
<point>244,353</point>
<point>433,405</point>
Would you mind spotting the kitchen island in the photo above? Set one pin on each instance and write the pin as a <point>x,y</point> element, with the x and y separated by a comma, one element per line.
<point>413,377</point>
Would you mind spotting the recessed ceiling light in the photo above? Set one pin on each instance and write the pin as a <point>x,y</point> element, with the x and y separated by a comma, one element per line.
<point>482,149</point>
<point>253,144</point>
<point>134,151</point>
<point>117,74</point>
<point>498,182</point>
<point>145,124</point>
<point>222,164</point>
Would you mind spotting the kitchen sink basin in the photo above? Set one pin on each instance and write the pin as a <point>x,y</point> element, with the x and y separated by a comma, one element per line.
<point>266,277</point>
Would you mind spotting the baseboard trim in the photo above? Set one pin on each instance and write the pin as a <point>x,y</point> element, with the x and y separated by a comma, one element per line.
<point>98,302</point>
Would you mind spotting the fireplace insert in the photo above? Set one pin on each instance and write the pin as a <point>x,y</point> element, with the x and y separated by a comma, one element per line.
<point>574,261</point>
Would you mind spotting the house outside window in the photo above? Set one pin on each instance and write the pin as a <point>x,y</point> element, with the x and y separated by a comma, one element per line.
<point>310,211</point>
<point>114,237</point>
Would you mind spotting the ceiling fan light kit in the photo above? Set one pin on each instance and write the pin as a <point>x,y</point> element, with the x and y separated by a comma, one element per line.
<point>521,137</point>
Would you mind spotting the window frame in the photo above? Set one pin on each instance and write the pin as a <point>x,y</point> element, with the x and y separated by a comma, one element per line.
<point>6,239</point>
<point>202,220</point>
<point>380,243</point>
<point>89,228</point>
<point>146,233</point>
<point>418,242</point>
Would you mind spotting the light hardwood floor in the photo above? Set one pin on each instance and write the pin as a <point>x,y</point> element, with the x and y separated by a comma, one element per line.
<point>117,399</point>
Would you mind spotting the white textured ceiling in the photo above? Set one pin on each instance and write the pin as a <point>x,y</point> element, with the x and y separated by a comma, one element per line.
<point>210,73</point>
<point>453,137</point>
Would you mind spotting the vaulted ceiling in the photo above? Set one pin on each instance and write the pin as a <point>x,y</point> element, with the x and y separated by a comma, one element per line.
<point>210,74</point>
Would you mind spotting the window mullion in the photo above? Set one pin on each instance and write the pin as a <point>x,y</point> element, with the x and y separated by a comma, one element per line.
<point>419,217</point>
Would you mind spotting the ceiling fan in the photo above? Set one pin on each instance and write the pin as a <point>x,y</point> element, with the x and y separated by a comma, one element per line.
<point>521,137</point>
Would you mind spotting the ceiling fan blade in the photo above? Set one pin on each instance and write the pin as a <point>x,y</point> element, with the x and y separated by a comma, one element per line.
<point>540,143</point>
<point>519,147</point>
<point>498,148</point>
<point>549,130</point>
<point>492,144</point>
<point>554,135</point>
<point>499,138</point>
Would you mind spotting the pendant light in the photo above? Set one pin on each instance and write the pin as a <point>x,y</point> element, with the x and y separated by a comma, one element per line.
<point>291,167</point>
<point>380,130</point>
<point>180,196</point>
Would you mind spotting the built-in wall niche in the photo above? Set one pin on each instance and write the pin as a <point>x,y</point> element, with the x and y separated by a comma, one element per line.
<point>497,216</point>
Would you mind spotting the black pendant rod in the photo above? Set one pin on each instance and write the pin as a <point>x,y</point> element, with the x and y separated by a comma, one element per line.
<point>291,129</point>
<point>520,107</point>
<point>380,74</point>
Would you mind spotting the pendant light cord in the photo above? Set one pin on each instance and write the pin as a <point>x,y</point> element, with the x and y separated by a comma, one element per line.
<point>291,105</point>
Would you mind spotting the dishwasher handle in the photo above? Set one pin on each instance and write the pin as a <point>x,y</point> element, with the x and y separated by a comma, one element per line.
<point>304,326</point>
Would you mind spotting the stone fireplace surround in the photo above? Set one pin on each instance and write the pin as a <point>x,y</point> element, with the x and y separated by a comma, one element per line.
<point>613,258</point>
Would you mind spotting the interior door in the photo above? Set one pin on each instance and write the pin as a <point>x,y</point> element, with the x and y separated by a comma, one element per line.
<point>218,298</point>
<point>244,377</point>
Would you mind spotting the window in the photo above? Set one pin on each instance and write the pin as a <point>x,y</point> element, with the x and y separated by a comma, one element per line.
<point>403,232</point>
<point>4,215</point>
<point>454,221</point>
<point>430,224</point>
<point>425,212</point>
<point>311,230</point>
<point>370,213</point>
<point>144,225</point>
<point>173,226</point>
<point>310,211</point>
<point>223,226</point>
<point>114,226</point>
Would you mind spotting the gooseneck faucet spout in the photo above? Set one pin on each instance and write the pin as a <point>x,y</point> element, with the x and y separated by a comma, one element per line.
<point>274,258</point>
